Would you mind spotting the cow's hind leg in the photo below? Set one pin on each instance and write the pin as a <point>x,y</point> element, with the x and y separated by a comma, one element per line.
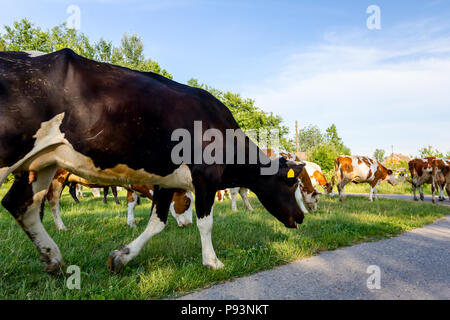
<point>105,195</point>
<point>158,220</point>
<point>114,192</point>
<point>24,201</point>
<point>414,192</point>
<point>243,193</point>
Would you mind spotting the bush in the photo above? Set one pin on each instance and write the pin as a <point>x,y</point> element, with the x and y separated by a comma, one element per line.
<point>324,155</point>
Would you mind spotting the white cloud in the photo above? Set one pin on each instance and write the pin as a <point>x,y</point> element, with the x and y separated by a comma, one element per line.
<point>396,93</point>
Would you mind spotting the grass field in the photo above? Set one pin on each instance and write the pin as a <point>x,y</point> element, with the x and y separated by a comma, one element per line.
<point>170,264</point>
<point>386,188</point>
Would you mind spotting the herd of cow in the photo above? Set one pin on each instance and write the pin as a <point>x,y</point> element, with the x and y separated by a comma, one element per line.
<point>65,119</point>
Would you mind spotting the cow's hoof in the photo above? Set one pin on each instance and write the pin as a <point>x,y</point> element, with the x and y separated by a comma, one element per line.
<point>214,264</point>
<point>115,262</point>
<point>61,228</point>
<point>53,266</point>
<point>132,225</point>
<point>415,199</point>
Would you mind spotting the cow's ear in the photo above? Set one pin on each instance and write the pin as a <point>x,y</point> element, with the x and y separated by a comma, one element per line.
<point>289,171</point>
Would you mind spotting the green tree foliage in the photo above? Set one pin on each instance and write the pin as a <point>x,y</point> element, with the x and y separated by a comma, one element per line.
<point>322,148</point>
<point>23,36</point>
<point>247,115</point>
<point>310,137</point>
<point>379,154</point>
<point>331,136</point>
<point>324,155</point>
<point>429,151</point>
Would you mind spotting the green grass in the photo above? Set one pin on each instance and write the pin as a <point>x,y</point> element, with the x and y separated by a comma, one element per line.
<point>386,188</point>
<point>170,263</point>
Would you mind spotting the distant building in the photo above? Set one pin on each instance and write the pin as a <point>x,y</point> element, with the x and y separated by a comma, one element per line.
<point>396,158</point>
<point>302,156</point>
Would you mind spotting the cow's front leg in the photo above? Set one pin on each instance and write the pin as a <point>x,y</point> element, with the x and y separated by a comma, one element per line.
<point>433,190</point>
<point>243,193</point>
<point>204,201</point>
<point>132,200</point>
<point>25,201</point>
<point>371,193</point>
<point>158,220</point>
<point>341,189</point>
<point>73,191</point>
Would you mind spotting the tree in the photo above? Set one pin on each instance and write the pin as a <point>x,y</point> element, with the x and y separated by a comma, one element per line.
<point>23,35</point>
<point>309,137</point>
<point>324,155</point>
<point>379,154</point>
<point>332,137</point>
<point>247,114</point>
<point>429,151</point>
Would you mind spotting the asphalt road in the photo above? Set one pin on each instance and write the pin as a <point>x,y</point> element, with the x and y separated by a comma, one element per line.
<point>414,265</point>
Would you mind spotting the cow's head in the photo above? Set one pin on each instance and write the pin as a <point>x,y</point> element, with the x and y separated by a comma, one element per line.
<point>329,188</point>
<point>391,178</point>
<point>311,200</point>
<point>278,194</point>
<point>181,207</point>
<point>401,175</point>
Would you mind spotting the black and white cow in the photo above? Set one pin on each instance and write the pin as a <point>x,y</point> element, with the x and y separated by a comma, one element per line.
<point>113,125</point>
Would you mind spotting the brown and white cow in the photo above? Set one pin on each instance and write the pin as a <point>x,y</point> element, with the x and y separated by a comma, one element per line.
<point>232,193</point>
<point>309,194</point>
<point>421,171</point>
<point>318,178</point>
<point>181,206</point>
<point>358,169</point>
<point>441,177</point>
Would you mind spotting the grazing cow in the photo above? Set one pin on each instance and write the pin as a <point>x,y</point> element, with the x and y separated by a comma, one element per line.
<point>318,178</point>
<point>421,171</point>
<point>308,192</point>
<point>358,169</point>
<point>180,207</point>
<point>441,177</point>
<point>116,126</point>
<point>233,192</point>
<point>221,194</point>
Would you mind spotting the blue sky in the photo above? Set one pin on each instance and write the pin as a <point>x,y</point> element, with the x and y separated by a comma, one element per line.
<point>311,61</point>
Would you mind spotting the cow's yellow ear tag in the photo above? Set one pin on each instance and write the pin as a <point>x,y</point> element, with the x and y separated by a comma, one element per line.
<point>291,173</point>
